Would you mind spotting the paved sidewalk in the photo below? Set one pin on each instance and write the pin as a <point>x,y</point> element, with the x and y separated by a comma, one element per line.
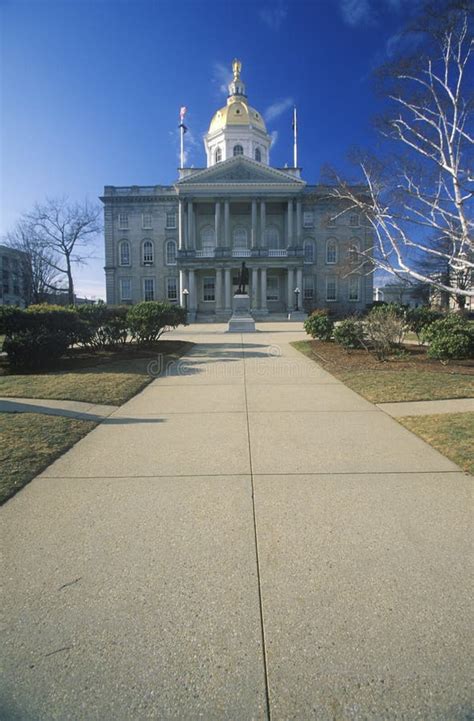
<point>48,406</point>
<point>245,539</point>
<point>426,408</point>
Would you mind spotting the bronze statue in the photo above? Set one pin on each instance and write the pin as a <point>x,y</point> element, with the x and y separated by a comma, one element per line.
<point>243,279</point>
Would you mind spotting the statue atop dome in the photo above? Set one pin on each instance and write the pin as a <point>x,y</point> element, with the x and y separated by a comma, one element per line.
<point>236,68</point>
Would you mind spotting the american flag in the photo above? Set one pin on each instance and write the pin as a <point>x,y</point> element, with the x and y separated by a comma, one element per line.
<point>182,112</point>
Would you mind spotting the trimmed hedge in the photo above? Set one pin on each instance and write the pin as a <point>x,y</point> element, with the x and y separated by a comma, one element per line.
<point>319,324</point>
<point>450,338</point>
<point>41,334</point>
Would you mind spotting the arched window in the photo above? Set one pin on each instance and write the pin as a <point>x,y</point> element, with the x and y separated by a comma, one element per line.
<point>331,251</point>
<point>272,237</point>
<point>208,238</point>
<point>238,150</point>
<point>171,252</point>
<point>124,251</point>
<point>239,238</point>
<point>309,251</point>
<point>147,250</point>
<point>218,155</point>
<point>258,155</point>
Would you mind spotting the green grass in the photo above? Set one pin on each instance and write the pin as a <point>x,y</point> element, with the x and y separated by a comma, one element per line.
<point>29,442</point>
<point>381,383</point>
<point>388,386</point>
<point>449,433</point>
<point>110,378</point>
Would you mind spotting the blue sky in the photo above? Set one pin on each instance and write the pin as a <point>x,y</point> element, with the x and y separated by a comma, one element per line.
<point>90,91</point>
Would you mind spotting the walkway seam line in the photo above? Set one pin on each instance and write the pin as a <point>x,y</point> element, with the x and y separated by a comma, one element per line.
<point>257,559</point>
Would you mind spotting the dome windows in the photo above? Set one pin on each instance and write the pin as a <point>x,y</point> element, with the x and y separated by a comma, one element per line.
<point>258,155</point>
<point>238,150</point>
<point>218,155</point>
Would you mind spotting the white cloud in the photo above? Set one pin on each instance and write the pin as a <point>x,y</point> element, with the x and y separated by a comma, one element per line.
<point>367,12</point>
<point>274,138</point>
<point>273,15</point>
<point>277,109</point>
<point>356,12</point>
<point>402,42</point>
<point>221,76</point>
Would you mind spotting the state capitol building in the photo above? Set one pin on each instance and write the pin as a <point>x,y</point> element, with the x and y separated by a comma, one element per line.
<point>194,235</point>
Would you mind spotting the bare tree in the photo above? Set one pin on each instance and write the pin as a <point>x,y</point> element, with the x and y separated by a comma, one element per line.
<point>65,230</point>
<point>419,201</point>
<point>40,276</point>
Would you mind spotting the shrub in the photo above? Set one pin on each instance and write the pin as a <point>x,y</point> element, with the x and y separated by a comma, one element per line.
<point>349,333</point>
<point>149,319</point>
<point>106,325</point>
<point>384,329</point>
<point>449,338</point>
<point>420,318</point>
<point>39,334</point>
<point>37,348</point>
<point>319,325</point>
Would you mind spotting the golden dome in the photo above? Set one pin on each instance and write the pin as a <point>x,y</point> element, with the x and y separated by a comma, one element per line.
<point>236,112</point>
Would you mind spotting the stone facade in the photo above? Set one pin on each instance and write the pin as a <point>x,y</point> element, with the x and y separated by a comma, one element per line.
<point>13,285</point>
<point>185,243</point>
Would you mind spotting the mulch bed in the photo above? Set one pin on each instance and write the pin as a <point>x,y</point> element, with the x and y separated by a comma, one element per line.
<point>412,357</point>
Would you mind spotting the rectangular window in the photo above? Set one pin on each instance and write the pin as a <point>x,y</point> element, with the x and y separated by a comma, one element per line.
<point>308,219</point>
<point>149,288</point>
<point>354,220</point>
<point>146,221</point>
<point>125,289</point>
<point>171,220</point>
<point>209,288</point>
<point>308,287</point>
<point>123,221</point>
<point>353,287</point>
<point>273,288</point>
<point>331,289</point>
<point>172,289</point>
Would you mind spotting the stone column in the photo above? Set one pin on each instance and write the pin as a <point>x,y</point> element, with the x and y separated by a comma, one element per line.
<point>192,291</point>
<point>218,289</point>
<point>228,288</point>
<point>299,280</point>
<point>263,288</point>
<point>262,223</point>
<point>299,226</point>
<point>254,299</point>
<point>291,288</point>
<point>181,225</point>
<point>254,239</point>
<point>217,222</point>
<point>182,285</point>
<point>226,223</point>
<point>190,238</point>
<point>290,223</point>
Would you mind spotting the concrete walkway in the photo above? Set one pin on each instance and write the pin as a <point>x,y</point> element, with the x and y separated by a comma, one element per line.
<point>70,409</point>
<point>245,539</point>
<point>426,408</point>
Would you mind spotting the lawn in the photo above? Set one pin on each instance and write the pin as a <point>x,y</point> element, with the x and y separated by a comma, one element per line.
<point>29,442</point>
<point>449,433</point>
<point>110,377</point>
<point>408,376</point>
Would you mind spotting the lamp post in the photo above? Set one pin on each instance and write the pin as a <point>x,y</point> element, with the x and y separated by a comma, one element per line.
<point>297,295</point>
<point>185,295</point>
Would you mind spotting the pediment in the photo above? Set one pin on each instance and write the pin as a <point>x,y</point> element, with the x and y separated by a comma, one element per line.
<point>243,171</point>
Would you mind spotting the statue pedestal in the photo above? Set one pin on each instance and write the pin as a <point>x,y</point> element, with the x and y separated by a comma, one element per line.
<point>241,320</point>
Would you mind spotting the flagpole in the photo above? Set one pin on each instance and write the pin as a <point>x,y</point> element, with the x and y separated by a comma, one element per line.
<point>295,139</point>
<point>182,128</point>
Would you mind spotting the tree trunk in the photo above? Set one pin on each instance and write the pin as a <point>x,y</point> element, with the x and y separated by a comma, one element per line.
<point>70,282</point>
